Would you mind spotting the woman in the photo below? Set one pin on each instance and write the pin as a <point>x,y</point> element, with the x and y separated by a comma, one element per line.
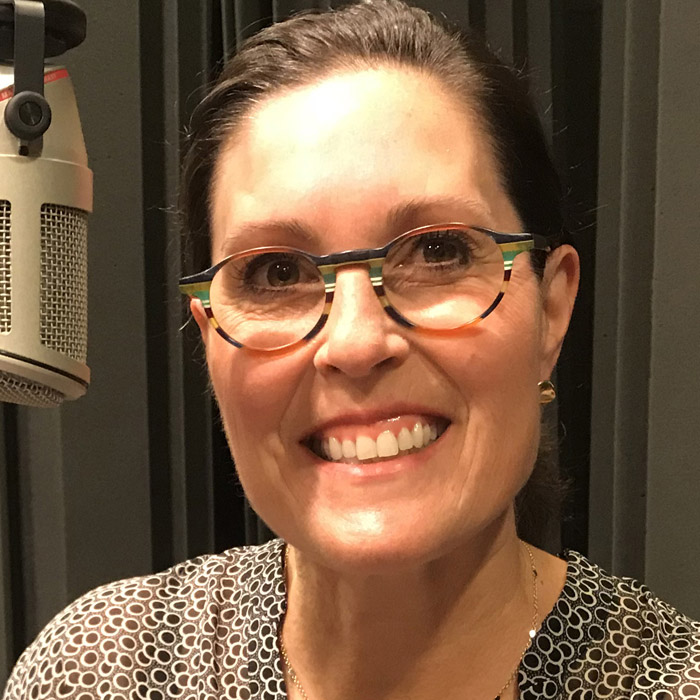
<point>356,190</point>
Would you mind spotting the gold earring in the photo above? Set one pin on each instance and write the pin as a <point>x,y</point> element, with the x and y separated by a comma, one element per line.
<point>547,392</point>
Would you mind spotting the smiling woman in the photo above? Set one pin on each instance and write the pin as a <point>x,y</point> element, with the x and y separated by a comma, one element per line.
<point>382,284</point>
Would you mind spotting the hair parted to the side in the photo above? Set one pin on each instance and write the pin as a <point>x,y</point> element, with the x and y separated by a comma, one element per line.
<point>310,46</point>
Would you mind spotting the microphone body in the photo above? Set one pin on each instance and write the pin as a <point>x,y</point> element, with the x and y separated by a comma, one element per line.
<point>45,198</point>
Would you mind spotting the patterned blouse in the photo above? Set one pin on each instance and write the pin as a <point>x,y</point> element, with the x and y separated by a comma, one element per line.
<point>207,628</point>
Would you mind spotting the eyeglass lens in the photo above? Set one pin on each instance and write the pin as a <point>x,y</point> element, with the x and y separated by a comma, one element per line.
<point>439,279</point>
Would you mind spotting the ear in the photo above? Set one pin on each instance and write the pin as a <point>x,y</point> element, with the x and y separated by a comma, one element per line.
<point>200,317</point>
<point>558,290</point>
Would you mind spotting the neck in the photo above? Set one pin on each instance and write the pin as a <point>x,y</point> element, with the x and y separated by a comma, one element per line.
<point>453,627</point>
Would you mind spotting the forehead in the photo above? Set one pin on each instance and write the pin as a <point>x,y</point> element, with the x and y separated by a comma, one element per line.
<point>338,156</point>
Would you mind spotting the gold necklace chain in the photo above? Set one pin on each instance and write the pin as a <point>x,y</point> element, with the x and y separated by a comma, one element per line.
<point>531,633</point>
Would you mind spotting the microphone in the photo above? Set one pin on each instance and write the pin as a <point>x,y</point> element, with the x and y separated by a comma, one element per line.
<point>45,198</point>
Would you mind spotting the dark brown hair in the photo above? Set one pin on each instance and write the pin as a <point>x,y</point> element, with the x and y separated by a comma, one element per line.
<point>311,46</point>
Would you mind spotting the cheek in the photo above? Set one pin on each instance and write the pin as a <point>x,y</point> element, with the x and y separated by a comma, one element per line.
<point>497,363</point>
<point>254,392</point>
<point>495,370</point>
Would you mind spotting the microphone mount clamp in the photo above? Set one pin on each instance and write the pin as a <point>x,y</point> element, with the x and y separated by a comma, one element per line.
<point>28,114</point>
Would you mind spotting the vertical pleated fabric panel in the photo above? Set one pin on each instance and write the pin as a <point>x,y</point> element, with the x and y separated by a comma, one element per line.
<point>644,472</point>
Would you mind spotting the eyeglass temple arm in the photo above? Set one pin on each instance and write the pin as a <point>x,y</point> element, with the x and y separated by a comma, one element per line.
<point>539,242</point>
<point>199,283</point>
<point>195,289</point>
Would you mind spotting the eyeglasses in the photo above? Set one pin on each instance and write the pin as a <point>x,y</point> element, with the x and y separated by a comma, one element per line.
<point>437,278</point>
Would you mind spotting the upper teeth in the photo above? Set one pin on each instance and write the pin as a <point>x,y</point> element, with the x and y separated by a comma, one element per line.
<point>387,444</point>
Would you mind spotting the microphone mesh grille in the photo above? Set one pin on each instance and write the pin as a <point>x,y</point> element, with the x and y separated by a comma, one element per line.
<point>63,316</point>
<point>5,272</point>
<point>16,389</point>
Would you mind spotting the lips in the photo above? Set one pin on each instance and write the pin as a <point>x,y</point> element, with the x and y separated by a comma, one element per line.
<point>351,441</point>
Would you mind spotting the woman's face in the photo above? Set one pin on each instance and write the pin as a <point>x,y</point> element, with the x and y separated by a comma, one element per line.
<point>351,162</point>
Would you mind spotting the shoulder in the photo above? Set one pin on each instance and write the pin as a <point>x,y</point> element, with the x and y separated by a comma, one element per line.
<point>635,609</point>
<point>152,630</point>
<point>611,636</point>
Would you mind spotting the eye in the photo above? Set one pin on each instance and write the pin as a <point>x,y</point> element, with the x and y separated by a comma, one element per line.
<point>275,270</point>
<point>442,247</point>
<point>282,272</point>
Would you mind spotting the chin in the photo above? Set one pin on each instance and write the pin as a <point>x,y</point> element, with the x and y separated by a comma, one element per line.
<point>369,546</point>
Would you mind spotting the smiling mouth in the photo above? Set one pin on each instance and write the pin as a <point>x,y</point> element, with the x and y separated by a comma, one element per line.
<point>387,444</point>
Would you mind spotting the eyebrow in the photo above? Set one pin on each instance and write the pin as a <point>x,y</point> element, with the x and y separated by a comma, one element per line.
<point>409,214</point>
<point>400,218</point>
<point>292,228</point>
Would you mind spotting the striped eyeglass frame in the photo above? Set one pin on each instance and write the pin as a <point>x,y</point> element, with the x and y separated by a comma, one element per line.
<point>511,244</point>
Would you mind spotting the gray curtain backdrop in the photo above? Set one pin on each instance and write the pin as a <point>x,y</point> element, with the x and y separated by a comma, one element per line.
<point>136,475</point>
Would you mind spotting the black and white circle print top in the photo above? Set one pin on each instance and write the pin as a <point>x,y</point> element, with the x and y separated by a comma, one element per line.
<point>207,628</point>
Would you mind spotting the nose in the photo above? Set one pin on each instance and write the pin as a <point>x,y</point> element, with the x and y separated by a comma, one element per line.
<point>359,337</point>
